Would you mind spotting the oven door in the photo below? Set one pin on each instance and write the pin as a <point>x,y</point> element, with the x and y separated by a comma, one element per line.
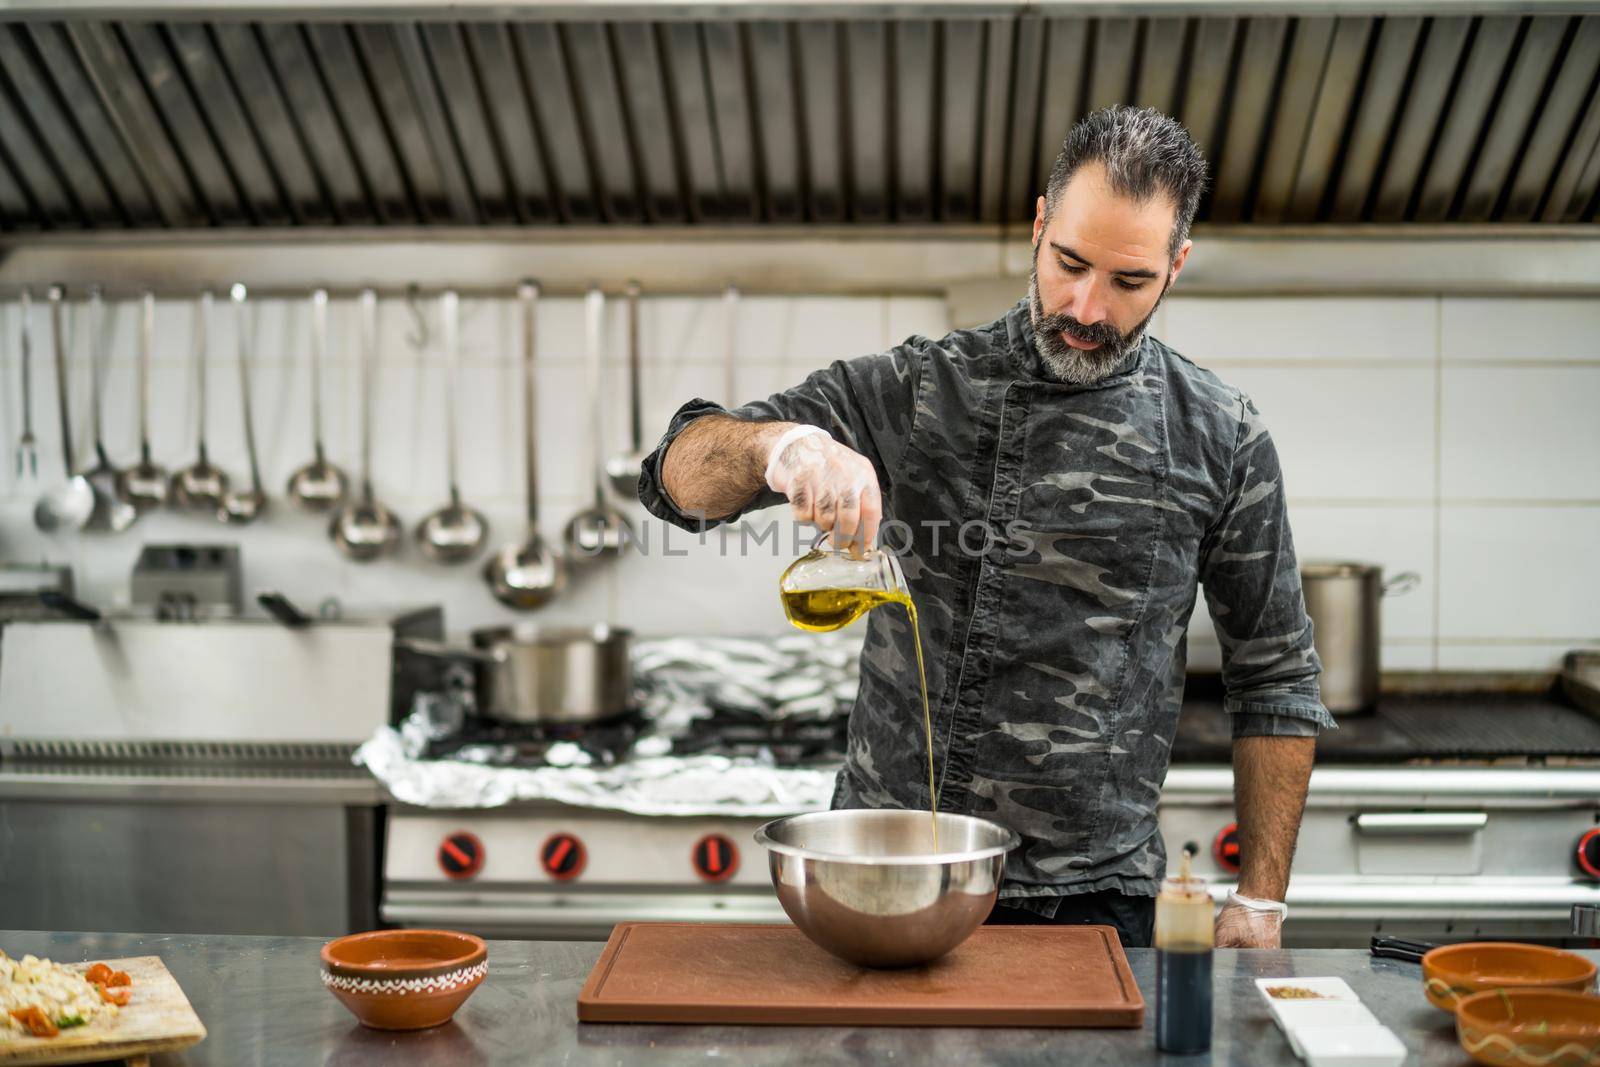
<point>1430,853</point>
<point>124,852</point>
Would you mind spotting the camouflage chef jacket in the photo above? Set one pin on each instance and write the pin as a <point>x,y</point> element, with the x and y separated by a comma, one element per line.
<point>1054,624</point>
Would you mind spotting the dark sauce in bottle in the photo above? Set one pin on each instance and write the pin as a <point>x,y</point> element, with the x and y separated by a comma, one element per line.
<point>1183,999</point>
<point>1183,963</point>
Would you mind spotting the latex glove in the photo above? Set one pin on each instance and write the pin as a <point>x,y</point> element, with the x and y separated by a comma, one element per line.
<point>829,485</point>
<point>1245,922</point>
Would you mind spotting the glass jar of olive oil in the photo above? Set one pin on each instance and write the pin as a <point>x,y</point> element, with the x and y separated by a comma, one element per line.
<point>829,588</point>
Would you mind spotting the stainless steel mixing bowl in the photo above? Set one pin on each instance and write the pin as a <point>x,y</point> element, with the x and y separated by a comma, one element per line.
<point>868,886</point>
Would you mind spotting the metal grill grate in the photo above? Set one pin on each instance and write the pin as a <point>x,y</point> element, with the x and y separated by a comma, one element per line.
<point>183,752</point>
<point>194,125</point>
<point>1421,727</point>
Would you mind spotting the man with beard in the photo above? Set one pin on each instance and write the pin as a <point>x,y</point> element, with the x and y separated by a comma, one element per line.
<point>1111,479</point>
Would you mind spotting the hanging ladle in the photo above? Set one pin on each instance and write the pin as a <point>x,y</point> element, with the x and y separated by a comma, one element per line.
<point>364,529</point>
<point>69,505</point>
<point>730,343</point>
<point>111,513</point>
<point>454,533</point>
<point>28,446</point>
<point>599,530</point>
<point>144,485</point>
<point>625,468</point>
<point>319,485</point>
<point>529,575</point>
<point>200,486</point>
<point>245,506</point>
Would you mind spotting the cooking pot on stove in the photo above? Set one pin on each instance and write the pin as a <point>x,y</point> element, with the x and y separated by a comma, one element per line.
<point>1343,600</point>
<point>534,674</point>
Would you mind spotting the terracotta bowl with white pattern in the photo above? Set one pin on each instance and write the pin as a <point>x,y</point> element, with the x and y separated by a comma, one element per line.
<point>1451,973</point>
<point>404,979</point>
<point>1530,1028</point>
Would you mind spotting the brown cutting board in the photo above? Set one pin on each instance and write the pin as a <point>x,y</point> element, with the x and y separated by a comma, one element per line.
<point>747,973</point>
<point>158,1018</point>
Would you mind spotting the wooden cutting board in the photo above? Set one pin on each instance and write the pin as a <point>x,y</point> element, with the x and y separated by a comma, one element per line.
<point>158,1018</point>
<point>747,973</point>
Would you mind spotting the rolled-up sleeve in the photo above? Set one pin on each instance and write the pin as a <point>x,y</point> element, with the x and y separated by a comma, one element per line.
<point>867,403</point>
<point>1252,587</point>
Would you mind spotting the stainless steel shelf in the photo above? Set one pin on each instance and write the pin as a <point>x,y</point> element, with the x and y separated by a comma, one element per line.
<point>1504,787</point>
<point>981,270</point>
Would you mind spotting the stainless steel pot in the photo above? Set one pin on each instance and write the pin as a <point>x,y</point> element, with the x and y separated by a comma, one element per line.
<point>1343,600</point>
<point>548,675</point>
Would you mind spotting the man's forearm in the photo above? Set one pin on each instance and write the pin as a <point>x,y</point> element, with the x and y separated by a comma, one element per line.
<point>718,463</point>
<point>1270,778</point>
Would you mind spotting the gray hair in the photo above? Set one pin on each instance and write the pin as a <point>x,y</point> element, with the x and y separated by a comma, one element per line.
<point>1145,155</point>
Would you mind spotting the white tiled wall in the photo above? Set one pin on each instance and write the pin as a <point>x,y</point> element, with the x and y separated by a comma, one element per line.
<point>1459,438</point>
<point>1456,437</point>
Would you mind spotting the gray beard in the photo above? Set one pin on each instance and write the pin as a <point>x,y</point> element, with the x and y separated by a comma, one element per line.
<point>1080,366</point>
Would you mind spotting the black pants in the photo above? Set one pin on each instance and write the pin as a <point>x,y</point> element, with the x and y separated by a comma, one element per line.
<point>1133,917</point>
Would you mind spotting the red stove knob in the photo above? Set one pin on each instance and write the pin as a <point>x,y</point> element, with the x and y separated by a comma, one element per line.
<point>715,858</point>
<point>461,855</point>
<point>1225,848</point>
<point>563,857</point>
<point>1589,853</point>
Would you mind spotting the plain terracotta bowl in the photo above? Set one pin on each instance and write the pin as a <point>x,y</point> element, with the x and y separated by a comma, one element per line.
<point>1451,973</point>
<point>1530,1028</point>
<point>404,979</point>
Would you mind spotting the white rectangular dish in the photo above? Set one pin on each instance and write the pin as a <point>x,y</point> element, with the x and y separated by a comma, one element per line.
<point>1351,1046</point>
<point>1296,1015</point>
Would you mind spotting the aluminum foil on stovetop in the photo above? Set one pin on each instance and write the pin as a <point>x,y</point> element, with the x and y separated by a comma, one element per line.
<point>774,700</point>
<point>649,785</point>
<point>799,677</point>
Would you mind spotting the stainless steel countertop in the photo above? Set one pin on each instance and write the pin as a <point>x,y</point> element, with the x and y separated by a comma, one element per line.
<point>262,1003</point>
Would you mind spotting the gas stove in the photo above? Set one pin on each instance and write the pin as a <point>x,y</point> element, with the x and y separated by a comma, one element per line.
<point>779,742</point>
<point>529,744</point>
<point>1534,728</point>
<point>1440,817</point>
<point>555,872</point>
<point>784,743</point>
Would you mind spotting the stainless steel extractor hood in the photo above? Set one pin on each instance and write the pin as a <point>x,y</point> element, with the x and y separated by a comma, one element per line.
<point>202,116</point>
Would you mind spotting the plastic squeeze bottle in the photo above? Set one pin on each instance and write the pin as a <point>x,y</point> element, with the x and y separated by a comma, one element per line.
<point>1183,963</point>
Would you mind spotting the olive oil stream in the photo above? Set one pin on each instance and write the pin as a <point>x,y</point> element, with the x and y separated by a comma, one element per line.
<point>821,610</point>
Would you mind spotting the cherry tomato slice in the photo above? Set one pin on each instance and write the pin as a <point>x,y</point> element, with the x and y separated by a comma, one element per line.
<point>38,1023</point>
